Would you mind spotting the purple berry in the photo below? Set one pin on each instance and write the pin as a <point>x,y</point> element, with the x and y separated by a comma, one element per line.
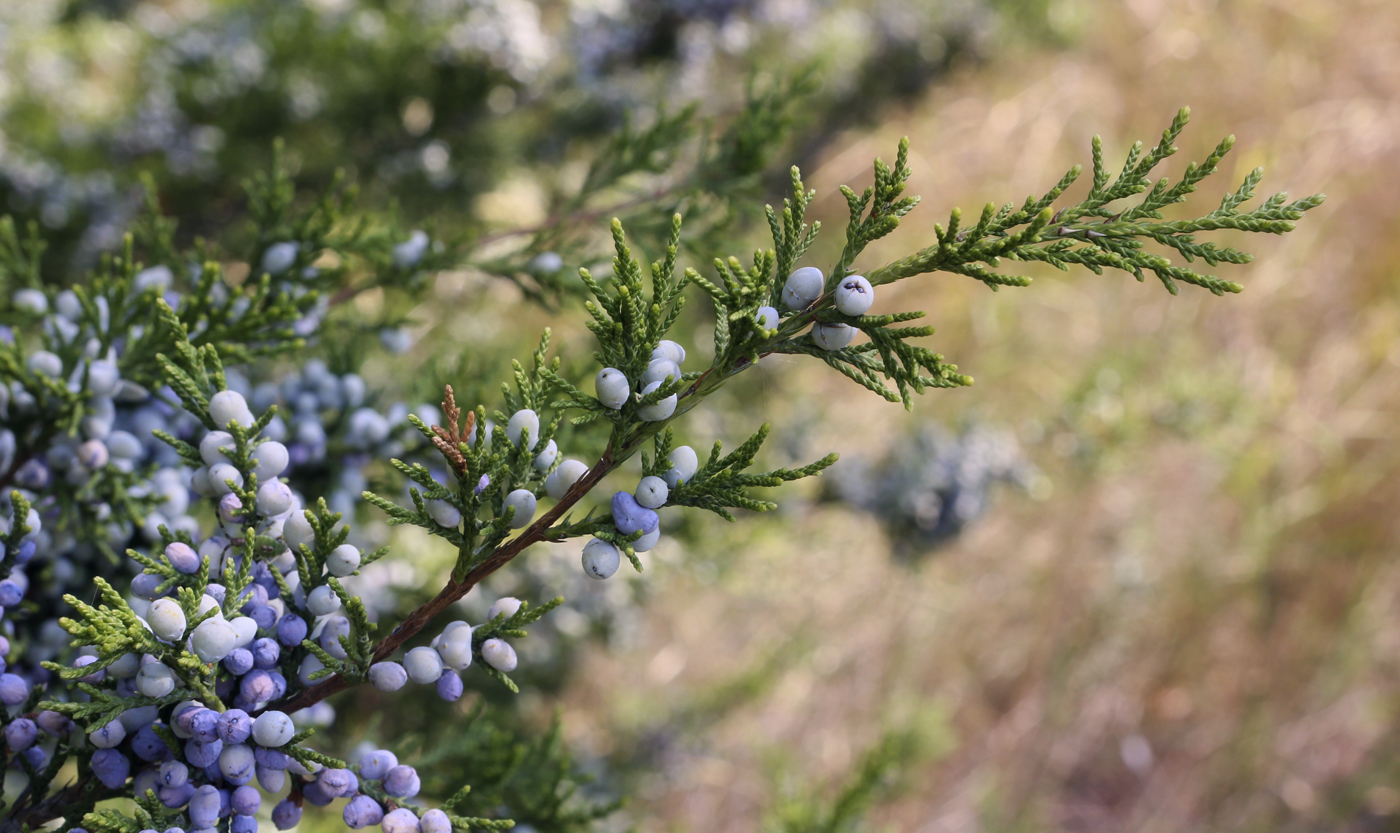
<point>286,815</point>
<point>449,686</point>
<point>362,811</point>
<point>402,782</point>
<point>111,767</point>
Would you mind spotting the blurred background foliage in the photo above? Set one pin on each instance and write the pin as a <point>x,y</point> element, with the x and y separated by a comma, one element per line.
<point>1182,617</point>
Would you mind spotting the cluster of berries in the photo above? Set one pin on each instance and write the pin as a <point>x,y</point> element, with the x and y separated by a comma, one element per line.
<point>241,646</point>
<point>852,297</point>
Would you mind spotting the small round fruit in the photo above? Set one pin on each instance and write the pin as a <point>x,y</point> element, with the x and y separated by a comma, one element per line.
<point>684,463</point>
<point>563,478</point>
<point>652,492</point>
<point>833,336</point>
<point>854,295</point>
<point>803,286</point>
<point>612,387</point>
<point>600,559</point>
<point>525,422</point>
<point>657,411</point>
<point>523,502</point>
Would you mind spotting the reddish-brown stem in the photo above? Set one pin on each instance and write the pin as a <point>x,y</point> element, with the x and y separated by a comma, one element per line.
<point>454,590</point>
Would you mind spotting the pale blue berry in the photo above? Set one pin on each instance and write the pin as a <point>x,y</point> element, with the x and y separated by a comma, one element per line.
<point>652,492</point>
<point>684,463</point>
<point>546,458</point>
<point>803,286</point>
<point>400,821</point>
<point>612,387</point>
<point>509,605</point>
<point>600,559</point>
<point>854,295</point>
<point>228,406</point>
<point>387,676</point>
<point>832,336</point>
<point>167,619</point>
<point>524,422</point>
<point>213,639</point>
<point>657,411</point>
<point>423,665</point>
<point>563,478</point>
<point>274,498</point>
<point>279,257</point>
<point>523,502</point>
<point>444,513</point>
<point>407,254</point>
<point>272,729</point>
<point>669,350</point>
<point>499,655</point>
<point>659,370</point>
<point>767,318</point>
<point>402,782</point>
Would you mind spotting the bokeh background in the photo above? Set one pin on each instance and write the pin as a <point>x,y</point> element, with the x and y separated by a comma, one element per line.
<point>1152,580</point>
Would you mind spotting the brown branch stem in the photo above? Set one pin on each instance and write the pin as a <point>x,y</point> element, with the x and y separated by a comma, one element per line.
<point>454,590</point>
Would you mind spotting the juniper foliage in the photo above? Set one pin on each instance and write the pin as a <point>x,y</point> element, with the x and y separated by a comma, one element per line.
<point>275,575</point>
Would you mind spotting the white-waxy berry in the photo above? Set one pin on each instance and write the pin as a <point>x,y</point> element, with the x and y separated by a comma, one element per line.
<point>272,729</point>
<point>612,388</point>
<point>647,541</point>
<point>125,667</point>
<point>155,679</point>
<point>854,295</point>
<point>213,639</point>
<point>455,648</point>
<point>525,422</point>
<point>408,253</point>
<point>509,605</point>
<point>279,257</point>
<point>435,821</point>
<point>546,458</point>
<point>219,476</point>
<point>32,301</point>
<point>106,737</point>
<point>309,665</point>
<point>652,492</point>
<point>297,531</point>
<point>523,502</point>
<point>600,558</point>
<point>423,665</point>
<point>206,601</point>
<point>387,676</point>
<point>499,655</point>
<point>245,630</point>
<point>767,318</point>
<point>199,482</point>
<point>344,560</point>
<point>229,406</point>
<point>659,370</point>
<point>803,286</point>
<point>563,478</point>
<point>322,601</point>
<point>269,460</point>
<point>45,363</point>
<point>659,410</point>
<point>211,448</point>
<point>274,498</point>
<point>167,619</point>
<point>669,350</point>
<point>444,513</point>
<point>832,336</point>
<point>684,463</point>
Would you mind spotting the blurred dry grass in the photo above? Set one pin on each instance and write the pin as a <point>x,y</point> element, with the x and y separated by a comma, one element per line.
<point>1198,630</point>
